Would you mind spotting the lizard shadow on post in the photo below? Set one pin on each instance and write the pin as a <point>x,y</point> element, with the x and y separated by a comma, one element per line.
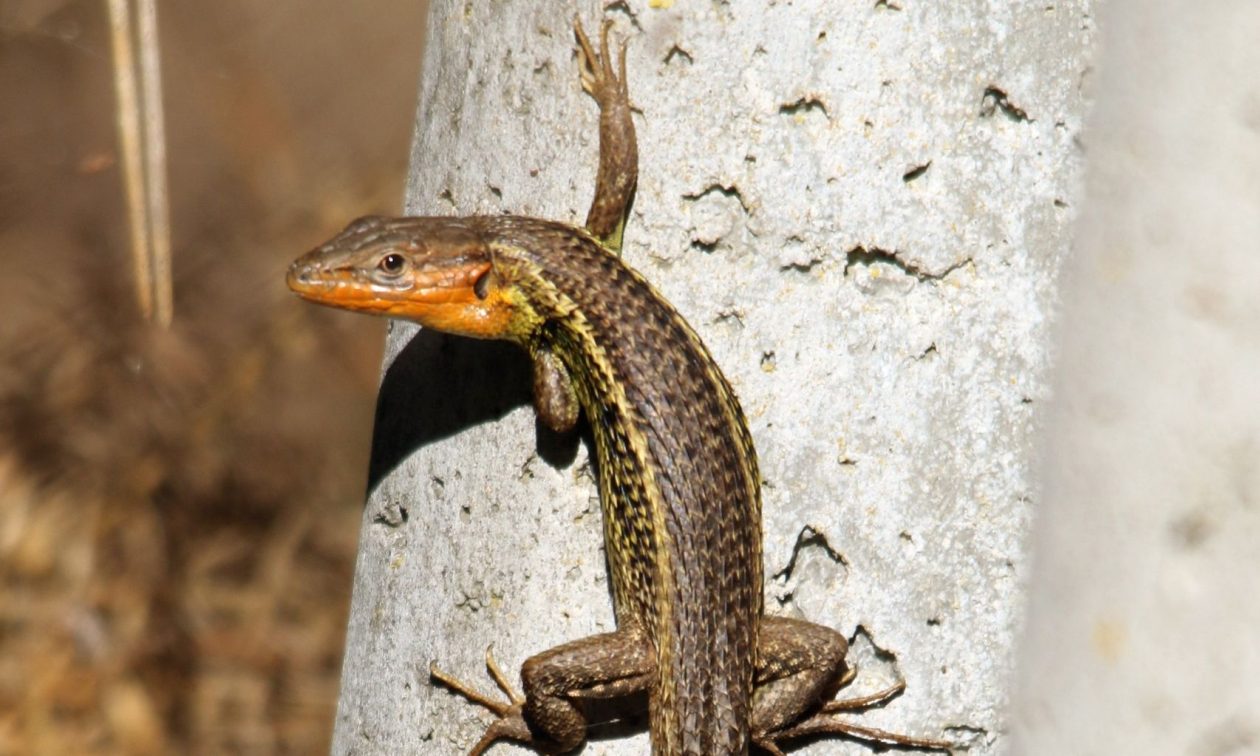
<point>440,385</point>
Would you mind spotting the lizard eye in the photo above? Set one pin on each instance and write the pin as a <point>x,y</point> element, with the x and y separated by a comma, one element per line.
<point>392,264</point>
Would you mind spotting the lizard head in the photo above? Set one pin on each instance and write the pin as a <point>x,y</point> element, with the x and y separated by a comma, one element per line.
<point>438,272</point>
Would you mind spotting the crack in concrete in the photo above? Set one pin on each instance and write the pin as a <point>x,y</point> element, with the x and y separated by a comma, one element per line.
<point>810,538</point>
<point>868,256</point>
<point>995,98</point>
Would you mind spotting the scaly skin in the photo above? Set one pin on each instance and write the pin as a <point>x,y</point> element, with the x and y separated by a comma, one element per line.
<point>678,482</point>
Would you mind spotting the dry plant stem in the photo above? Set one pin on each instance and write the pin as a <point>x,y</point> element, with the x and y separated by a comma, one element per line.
<point>157,198</point>
<point>130,140</point>
<point>142,139</point>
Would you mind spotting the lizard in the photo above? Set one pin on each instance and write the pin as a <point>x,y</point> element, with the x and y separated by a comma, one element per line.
<point>677,469</point>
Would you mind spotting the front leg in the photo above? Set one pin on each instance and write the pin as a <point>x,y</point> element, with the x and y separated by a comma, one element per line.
<point>547,717</point>
<point>800,667</point>
<point>618,148</point>
<point>555,398</point>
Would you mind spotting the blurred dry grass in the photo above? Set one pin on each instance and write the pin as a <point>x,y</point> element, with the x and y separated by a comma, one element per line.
<point>179,509</point>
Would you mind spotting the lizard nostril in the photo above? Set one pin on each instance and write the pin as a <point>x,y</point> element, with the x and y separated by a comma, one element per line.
<point>299,275</point>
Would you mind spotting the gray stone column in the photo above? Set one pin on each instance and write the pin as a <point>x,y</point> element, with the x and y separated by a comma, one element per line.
<point>862,208</point>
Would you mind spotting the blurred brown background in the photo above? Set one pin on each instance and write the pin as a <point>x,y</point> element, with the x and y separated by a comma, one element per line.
<point>179,508</point>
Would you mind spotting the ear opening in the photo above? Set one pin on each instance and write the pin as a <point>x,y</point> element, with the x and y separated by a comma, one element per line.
<point>481,287</point>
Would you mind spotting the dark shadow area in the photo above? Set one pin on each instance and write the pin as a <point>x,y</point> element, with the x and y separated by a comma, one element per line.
<point>436,387</point>
<point>440,385</point>
<point>560,449</point>
<point>615,718</point>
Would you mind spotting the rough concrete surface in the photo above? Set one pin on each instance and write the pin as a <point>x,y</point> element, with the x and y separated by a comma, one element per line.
<point>862,208</point>
<point>1142,629</point>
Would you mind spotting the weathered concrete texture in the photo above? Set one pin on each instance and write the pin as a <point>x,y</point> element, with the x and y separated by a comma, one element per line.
<point>862,208</point>
<point>1142,634</point>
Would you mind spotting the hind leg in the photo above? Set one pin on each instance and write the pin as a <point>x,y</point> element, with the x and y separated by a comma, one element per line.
<point>801,666</point>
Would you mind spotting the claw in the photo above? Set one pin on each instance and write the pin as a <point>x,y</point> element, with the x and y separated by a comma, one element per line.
<point>587,59</point>
<point>510,723</point>
<point>468,691</point>
<point>849,676</point>
<point>501,680</point>
<point>865,702</point>
<point>597,76</point>
<point>818,725</point>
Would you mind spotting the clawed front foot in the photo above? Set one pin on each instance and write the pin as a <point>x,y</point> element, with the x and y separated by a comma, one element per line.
<point>598,78</point>
<point>511,721</point>
<point>618,149</point>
